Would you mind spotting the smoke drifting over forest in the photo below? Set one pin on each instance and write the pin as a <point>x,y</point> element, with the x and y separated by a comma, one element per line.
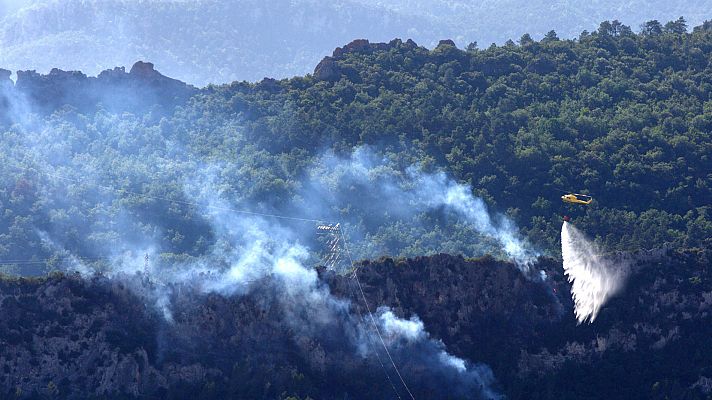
<point>73,168</point>
<point>185,219</point>
<point>254,255</point>
<point>413,199</point>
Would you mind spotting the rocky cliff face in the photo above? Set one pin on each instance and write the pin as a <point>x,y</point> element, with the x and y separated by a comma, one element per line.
<point>330,70</point>
<point>652,341</point>
<point>138,90</point>
<point>5,88</point>
<point>67,337</point>
<point>5,77</point>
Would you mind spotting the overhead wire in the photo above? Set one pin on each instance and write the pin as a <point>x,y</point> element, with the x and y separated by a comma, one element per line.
<point>373,347</point>
<point>183,202</point>
<point>48,260</point>
<point>55,175</point>
<point>373,320</point>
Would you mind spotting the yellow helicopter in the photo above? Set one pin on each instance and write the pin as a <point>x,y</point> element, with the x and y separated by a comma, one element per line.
<point>575,198</point>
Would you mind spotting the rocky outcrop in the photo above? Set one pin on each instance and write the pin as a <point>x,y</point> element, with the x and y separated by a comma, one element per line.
<point>144,70</point>
<point>355,46</point>
<point>446,42</point>
<point>5,77</point>
<point>269,85</point>
<point>139,90</point>
<point>364,46</point>
<point>327,70</point>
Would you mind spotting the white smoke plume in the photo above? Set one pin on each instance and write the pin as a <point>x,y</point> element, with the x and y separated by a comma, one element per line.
<point>255,254</point>
<point>594,277</point>
<point>243,254</point>
<point>407,196</point>
<point>439,190</point>
<point>408,333</point>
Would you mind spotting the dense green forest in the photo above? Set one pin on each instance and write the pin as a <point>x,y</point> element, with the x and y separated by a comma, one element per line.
<point>156,184</point>
<point>623,116</point>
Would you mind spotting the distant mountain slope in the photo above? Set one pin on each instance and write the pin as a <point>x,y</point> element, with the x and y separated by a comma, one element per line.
<point>221,41</point>
<point>488,21</point>
<point>197,42</point>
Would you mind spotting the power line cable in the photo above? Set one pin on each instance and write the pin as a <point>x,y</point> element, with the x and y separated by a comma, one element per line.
<point>147,196</point>
<point>373,320</point>
<point>373,347</point>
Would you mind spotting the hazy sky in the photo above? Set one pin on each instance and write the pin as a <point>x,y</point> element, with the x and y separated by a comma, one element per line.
<point>9,6</point>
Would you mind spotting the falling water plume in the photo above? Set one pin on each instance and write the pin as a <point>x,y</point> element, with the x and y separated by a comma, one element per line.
<point>594,278</point>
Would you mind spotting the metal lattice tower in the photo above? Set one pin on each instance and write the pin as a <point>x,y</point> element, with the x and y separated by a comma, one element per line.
<point>333,246</point>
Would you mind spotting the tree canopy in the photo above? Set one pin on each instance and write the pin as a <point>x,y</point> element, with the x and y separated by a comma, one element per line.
<point>622,116</point>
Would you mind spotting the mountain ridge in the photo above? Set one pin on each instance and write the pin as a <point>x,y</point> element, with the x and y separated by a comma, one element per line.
<point>249,52</point>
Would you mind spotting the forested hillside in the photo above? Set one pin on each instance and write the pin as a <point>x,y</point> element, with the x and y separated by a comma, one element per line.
<point>651,343</point>
<point>184,223</point>
<point>620,116</point>
<point>67,337</point>
<point>623,116</point>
